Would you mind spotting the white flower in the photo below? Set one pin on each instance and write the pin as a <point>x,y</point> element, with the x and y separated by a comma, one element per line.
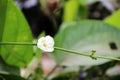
<point>46,44</point>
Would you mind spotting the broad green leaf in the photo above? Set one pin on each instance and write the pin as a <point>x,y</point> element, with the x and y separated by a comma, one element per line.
<point>5,68</point>
<point>114,19</point>
<point>3,5</point>
<point>15,29</point>
<point>85,37</point>
<point>10,77</point>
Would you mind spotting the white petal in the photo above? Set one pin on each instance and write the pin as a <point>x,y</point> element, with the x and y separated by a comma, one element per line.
<point>50,49</point>
<point>40,42</point>
<point>46,40</point>
<point>41,39</point>
<point>49,40</point>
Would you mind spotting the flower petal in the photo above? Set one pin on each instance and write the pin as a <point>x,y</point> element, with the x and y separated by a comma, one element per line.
<point>48,40</point>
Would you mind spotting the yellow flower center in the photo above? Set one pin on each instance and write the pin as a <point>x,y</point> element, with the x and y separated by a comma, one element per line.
<point>44,44</point>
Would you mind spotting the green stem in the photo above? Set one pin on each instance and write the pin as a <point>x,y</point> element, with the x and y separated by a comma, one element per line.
<point>66,50</point>
<point>93,56</point>
<point>18,43</point>
<point>89,55</point>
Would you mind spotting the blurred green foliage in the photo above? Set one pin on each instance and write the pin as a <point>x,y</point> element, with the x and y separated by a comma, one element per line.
<point>114,19</point>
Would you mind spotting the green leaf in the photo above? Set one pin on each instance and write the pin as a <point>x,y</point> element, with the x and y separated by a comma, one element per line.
<point>3,6</point>
<point>66,76</point>
<point>5,68</point>
<point>10,77</point>
<point>85,37</point>
<point>114,19</point>
<point>15,29</point>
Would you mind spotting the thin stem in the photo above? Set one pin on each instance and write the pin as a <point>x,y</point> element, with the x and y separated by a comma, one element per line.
<point>66,50</point>
<point>18,43</point>
<point>93,56</point>
<point>110,58</point>
<point>89,55</point>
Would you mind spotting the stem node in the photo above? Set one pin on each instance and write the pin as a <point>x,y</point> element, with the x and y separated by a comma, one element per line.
<point>93,55</point>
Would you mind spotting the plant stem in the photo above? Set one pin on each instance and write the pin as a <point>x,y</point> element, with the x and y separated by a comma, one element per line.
<point>66,50</point>
<point>89,55</point>
<point>93,56</point>
<point>18,43</point>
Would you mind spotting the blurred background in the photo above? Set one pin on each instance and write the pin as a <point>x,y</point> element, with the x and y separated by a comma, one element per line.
<point>48,15</point>
<point>64,20</point>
